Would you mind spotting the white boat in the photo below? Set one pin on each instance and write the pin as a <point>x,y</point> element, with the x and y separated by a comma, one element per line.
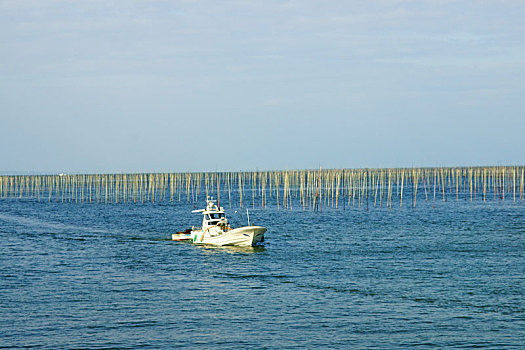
<point>216,230</point>
<point>182,236</point>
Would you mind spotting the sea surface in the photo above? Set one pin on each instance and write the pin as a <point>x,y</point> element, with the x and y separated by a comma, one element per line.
<point>96,276</point>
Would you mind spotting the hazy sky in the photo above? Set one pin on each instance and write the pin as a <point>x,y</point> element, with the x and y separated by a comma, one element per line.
<point>129,86</point>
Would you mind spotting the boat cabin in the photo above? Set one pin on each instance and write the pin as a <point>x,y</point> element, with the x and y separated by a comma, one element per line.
<point>212,215</point>
<point>213,218</point>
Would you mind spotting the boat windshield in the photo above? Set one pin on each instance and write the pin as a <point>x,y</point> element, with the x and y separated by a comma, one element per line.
<point>215,216</point>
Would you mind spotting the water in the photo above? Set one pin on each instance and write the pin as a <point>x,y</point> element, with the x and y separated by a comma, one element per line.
<point>107,276</point>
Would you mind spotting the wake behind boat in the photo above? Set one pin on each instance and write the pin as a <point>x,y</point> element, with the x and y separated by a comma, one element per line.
<point>216,230</point>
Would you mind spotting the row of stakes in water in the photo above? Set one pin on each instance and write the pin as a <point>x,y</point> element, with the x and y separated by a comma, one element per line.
<point>307,189</point>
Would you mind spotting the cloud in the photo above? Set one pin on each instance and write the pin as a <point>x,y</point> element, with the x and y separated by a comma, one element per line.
<point>178,62</point>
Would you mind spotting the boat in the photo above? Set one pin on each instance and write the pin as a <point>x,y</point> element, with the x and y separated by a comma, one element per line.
<point>182,236</point>
<point>216,230</point>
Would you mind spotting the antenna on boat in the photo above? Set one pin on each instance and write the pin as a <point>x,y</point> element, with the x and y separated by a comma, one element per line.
<point>248,216</point>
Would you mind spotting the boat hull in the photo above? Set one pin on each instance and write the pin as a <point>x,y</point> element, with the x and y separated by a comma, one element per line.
<point>181,236</point>
<point>247,236</point>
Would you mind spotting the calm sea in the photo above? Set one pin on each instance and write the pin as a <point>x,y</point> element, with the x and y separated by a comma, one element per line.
<point>98,276</point>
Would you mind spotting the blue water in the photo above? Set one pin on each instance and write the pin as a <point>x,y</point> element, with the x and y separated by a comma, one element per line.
<point>107,276</point>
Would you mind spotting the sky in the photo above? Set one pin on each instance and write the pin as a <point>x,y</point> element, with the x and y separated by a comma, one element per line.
<point>189,85</point>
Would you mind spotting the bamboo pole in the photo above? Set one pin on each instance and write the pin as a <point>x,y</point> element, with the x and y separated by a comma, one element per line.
<point>522,182</point>
<point>416,181</point>
<point>514,184</point>
<point>402,185</point>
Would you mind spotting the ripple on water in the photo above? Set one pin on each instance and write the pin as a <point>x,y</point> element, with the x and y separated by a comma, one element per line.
<point>95,276</point>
